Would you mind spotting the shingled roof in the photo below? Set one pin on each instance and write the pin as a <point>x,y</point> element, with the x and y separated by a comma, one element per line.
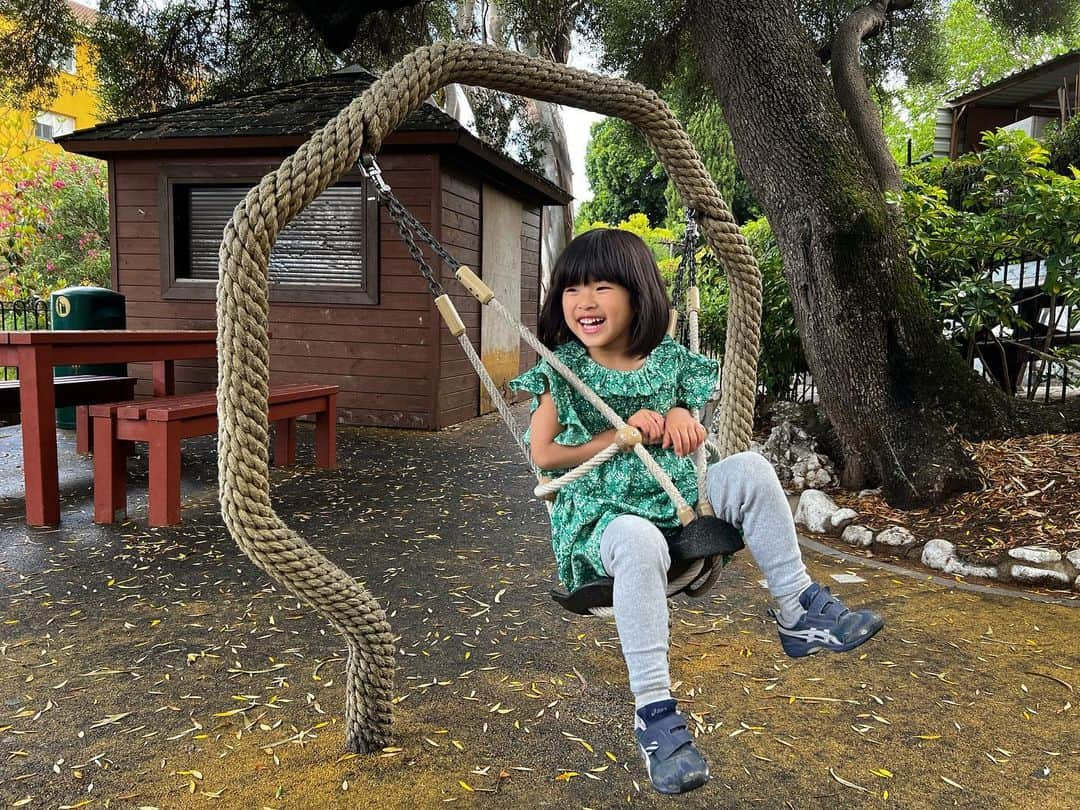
<point>291,111</point>
<point>298,108</point>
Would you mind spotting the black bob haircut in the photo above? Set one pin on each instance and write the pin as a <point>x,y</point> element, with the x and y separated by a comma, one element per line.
<point>608,254</point>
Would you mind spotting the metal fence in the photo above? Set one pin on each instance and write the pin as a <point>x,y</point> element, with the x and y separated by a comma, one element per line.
<point>1016,360</point>
<point>1019,360</point>
<point>23,315</point>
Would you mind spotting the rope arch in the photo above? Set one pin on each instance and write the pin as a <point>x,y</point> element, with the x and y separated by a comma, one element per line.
<point>242,314</point>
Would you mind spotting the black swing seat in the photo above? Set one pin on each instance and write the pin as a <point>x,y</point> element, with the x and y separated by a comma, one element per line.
<point>703,539</point>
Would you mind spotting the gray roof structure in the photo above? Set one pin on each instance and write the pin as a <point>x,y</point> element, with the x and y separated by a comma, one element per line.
<point>1028,87</point>
<point>291,111</point>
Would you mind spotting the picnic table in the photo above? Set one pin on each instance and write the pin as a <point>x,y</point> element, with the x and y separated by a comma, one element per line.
<point>36,353</point>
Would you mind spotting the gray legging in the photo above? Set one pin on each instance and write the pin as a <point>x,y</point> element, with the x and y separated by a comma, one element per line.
<point>744,491</point>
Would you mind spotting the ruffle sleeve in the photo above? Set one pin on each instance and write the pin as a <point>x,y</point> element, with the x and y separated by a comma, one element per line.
<point>543,378</point>
<point>698,377</point>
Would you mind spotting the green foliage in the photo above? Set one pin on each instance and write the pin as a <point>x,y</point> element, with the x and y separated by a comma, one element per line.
<point>974,45</point>
<point>1064,146</point>
<point>986,208</point>
<point>54,227</point>
<point>154,55</point>
<point>35,33</point>
<point>661,241</point>
<point>624,174</point>
<point>781,354</point>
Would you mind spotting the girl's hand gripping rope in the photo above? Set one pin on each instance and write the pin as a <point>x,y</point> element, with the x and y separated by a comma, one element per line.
<point>682,431</point>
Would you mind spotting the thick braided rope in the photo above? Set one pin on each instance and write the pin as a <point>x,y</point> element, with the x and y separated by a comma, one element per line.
<point>243,346</point>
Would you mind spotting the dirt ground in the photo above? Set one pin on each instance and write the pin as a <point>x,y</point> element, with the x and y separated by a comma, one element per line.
<point>146,668</point>
<point>1030,496</point>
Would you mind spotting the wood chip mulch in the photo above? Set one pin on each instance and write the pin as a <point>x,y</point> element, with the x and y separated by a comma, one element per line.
<point>1030,497</point>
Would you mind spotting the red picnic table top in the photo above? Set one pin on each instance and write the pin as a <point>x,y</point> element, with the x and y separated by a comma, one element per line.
<point>35,353</point>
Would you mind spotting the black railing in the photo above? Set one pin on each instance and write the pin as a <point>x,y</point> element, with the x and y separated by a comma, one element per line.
<point>24,315</point>
<point>1021,360</point>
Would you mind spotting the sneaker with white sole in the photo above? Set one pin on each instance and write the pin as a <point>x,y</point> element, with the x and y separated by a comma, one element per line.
<point>827,625</point>
<point>674,763</point>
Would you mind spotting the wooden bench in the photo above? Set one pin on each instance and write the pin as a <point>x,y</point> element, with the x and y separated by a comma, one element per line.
<point>164,422</point>
<point>77,390</point>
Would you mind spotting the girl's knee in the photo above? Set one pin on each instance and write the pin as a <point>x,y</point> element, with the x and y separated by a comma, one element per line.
<point>635,541</point>
<point>745,466</point>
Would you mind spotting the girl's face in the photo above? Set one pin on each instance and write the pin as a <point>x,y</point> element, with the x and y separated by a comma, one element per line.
<point>599,314</point>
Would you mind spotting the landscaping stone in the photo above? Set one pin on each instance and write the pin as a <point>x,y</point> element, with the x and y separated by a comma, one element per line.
<point>868,493</point>
<point>937,553</point>
<point>842,518</point>
<point>1033,575</point>
<point>858,536</point>
<point>1035,554</point>
<point>793,454</point>
<point>1076,585</point>
<point>896,536</point>
<point>1074,558</point>
<point>958,567</point>
<point>814,511</point>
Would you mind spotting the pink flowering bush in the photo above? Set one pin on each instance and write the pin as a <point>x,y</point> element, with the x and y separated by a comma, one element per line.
<point>54,226</point>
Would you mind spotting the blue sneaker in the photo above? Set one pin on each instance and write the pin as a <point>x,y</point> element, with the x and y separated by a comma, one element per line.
<point>673,761</point>
<point>826,625</point>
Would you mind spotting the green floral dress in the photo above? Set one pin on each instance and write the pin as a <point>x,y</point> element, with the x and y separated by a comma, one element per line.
<point>582,510</point>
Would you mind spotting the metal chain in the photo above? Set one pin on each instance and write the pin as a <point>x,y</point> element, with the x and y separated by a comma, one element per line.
<point>408,226</point>
<point>687,273</point>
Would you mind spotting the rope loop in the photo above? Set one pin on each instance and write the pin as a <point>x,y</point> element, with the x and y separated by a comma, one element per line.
<point>243,313</point>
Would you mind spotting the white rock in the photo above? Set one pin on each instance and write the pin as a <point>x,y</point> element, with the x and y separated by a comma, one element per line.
<point>858,536</point>
<point>1076,585</point>
<point>1074,557</point>
<point>814,510</point>
<point>896,536</point>
<point>842,518</point>
<point>1029,573</point>
<point>937,553</point>
<point>1035,554</point>
<point>965,569</point>
<point>819,478</point>
<point>867,493</point>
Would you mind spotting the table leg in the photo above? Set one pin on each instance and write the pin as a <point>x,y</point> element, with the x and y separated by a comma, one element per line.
<point>37,402</point>
<point>326,435</point>
<point>285,443</point>
<point>164,484</point>
<point>164,378</point>
<point>110,470</point>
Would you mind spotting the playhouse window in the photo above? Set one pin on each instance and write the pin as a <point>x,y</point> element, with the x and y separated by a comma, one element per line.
<point>325,254</point>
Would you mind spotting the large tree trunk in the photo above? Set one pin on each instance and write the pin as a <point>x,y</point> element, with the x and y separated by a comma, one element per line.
<point>899,397</point>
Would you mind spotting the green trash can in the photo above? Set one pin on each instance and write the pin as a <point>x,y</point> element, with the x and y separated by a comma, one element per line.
<point>86,308</point>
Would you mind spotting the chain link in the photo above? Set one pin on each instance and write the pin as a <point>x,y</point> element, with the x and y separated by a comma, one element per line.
<point>408,226</point>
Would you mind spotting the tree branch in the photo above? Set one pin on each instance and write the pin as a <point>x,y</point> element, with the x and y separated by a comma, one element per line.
<point>849,81</point>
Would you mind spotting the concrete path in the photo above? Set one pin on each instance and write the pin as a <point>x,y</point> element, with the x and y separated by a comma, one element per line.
<point>160,668</point>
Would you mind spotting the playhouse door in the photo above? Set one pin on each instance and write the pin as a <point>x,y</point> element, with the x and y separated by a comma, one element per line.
<point>500,344</point>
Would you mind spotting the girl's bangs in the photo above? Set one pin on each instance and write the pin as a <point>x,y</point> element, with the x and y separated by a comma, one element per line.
<point>592,266</point>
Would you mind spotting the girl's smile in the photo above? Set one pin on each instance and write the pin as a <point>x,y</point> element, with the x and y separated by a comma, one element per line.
<point>599,314</point>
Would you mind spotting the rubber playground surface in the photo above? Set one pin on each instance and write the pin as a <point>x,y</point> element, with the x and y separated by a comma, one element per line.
<point>159,668</point>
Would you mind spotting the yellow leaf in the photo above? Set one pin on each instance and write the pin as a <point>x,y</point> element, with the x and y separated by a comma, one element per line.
<point>466,786</point>
<point>566,776</point>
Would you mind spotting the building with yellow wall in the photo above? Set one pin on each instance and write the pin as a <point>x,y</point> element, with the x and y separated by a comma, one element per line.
<point>26,133</point>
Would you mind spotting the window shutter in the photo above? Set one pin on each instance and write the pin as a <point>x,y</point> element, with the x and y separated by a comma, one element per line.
<point>324,245</point>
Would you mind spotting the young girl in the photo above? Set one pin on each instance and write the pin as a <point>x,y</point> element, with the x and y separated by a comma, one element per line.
<point>606,318</point>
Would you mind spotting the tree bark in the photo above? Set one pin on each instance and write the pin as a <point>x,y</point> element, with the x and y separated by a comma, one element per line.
<point>898,396</point>
<point>849,81</point>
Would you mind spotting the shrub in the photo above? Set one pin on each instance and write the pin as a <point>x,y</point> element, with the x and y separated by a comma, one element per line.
<point>54,227</point>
